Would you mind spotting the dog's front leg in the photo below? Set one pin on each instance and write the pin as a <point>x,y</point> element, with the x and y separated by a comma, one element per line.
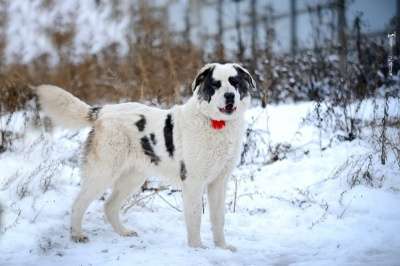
<point>216,201</point>
<point>192,200</point>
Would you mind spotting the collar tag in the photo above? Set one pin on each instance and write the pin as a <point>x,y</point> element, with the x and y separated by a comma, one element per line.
<point>217,124</point>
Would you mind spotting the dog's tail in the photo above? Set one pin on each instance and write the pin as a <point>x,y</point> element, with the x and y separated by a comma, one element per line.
<point>63,108</point>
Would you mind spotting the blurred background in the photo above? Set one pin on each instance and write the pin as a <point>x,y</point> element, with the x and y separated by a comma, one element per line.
<point>140,50</point>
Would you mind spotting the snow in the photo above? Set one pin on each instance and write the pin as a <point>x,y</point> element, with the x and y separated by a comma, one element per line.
<point>299,210</point>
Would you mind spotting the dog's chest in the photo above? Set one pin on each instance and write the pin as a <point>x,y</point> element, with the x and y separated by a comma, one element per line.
<point>219,145</point>
<point>209,151</point>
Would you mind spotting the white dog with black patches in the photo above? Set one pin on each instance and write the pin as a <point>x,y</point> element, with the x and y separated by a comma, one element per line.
<point>196,144</point>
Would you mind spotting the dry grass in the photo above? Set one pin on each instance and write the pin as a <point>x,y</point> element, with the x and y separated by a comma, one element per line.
<point>149,70</point>
<point>146,74</point>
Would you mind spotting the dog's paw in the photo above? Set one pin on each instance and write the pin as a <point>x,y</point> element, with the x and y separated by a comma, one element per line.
<point>231,248</point>
<point>228,247</point>
<point>80,238</point>
<point>197,245</point>
<point>202,247</point>
<point>129,233</point>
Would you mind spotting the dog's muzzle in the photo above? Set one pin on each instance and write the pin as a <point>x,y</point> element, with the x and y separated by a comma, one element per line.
<point>228,109</point>
<point>229,103</point>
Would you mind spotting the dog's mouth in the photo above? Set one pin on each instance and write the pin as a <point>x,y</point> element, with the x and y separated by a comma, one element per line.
<point>228,109</point>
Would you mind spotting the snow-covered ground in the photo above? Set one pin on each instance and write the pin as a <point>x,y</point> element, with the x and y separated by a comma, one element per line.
<point>299,210</point>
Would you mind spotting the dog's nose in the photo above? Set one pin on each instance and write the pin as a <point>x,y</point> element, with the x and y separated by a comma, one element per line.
<point>229,97</point>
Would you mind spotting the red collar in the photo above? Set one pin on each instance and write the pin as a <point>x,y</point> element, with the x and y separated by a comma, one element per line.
<point>217,124</point>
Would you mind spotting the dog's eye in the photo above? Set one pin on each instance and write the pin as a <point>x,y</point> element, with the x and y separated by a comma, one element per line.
<point>234,81</point>
<point>215,84</point>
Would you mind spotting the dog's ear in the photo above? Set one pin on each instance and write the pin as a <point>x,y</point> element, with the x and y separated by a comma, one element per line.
<point>202,74</point>
<point>246,75</point>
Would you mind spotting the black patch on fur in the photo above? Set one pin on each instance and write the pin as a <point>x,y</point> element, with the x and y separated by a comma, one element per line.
<point>94,113</point>
<point>141,123</point>
<point>168,135</point>
<point>208,85</point>
<point>153,138</point>
<point>148,150</point>
<point>183,171</point>
<point>88,143</point>
<point>242,81</point>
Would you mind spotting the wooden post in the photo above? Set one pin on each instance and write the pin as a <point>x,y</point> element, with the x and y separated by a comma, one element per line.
<point>254,33</point>
<point>188,25</point>
<point>240,46</point>
<point>220,35</point>
<point>332,26</point>
<point>268,25</point>
<point>397,45</point>
<point>293,27</point>
<point>342,37</point>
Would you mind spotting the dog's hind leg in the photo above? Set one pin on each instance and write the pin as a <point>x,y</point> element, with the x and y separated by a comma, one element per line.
<point>89,192</point>
<point>126,185</point>
<point>102,166</point>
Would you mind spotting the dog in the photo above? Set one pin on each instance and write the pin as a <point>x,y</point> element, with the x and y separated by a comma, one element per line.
<point>196,145</point>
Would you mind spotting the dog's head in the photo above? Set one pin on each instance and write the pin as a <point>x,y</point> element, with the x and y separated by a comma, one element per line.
<point>223,90</point>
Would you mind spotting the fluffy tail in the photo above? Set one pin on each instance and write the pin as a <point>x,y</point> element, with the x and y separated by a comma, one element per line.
<point>63,108</point>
